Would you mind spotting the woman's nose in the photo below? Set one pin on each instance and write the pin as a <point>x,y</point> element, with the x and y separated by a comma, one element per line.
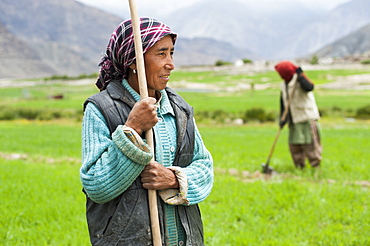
<point>170,65</point>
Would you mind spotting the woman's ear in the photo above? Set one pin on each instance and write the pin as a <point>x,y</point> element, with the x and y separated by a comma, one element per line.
<point>132,66</point>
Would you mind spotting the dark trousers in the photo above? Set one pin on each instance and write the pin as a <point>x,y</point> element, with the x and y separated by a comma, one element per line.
<point>300,152</point>
<point>312,152</point>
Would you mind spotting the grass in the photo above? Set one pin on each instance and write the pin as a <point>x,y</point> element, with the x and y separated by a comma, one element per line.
<point>252,144</point>
<point>44,139</point>
<point>285,212</point>
<point>42,205</point>
<point>42,202</point>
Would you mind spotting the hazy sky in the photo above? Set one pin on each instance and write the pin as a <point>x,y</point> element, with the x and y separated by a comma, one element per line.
<point>146,7</point>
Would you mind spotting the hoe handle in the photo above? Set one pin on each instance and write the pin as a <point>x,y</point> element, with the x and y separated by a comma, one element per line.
<point>283,117</point>
<point>273,147</point>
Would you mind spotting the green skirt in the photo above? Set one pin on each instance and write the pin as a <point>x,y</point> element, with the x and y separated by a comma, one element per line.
<point>300,133</point>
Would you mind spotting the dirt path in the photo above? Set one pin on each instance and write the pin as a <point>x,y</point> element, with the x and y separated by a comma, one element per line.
<point>353,82</point>
<point>250,177</point>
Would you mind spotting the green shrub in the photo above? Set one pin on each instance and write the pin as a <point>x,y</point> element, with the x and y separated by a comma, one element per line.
<point>28,114</point>
<point>258,114</point>
<point>10,113</point>
<point>363,113</point>
<point>218,116</point>
<point>365,62</point>
<point>221,116</point>
<point>255,114</point>
<point>7,113</point>
<point>336,109</point>
<point>247,61</point>
<point>65,77</point>
<point>314,60</point>
<point>270,116</point>
<point>222,63</point>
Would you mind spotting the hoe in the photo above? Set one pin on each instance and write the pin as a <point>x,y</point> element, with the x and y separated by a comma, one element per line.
<point>266,168</point>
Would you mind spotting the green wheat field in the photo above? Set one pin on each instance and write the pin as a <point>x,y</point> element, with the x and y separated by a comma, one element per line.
<point>42,202</point>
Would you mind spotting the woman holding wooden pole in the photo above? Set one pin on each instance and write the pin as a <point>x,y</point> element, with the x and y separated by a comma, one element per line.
<point>119,166</point>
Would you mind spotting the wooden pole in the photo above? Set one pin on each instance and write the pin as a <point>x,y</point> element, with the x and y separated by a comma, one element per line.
<point>152,194</point>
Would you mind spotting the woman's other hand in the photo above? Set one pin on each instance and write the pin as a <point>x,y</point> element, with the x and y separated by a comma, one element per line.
<point>157,177</point>
<point>143,115</point>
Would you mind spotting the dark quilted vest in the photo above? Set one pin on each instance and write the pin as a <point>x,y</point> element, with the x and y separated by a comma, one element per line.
<point>125,220</point>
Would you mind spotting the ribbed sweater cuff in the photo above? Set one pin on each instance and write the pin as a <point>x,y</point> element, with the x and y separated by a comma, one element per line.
<point>129,149</point>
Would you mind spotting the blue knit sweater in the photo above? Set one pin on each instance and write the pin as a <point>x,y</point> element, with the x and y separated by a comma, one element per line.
<point>110,164</point>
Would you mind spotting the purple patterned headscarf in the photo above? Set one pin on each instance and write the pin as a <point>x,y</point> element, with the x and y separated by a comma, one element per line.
<point>120,51</point>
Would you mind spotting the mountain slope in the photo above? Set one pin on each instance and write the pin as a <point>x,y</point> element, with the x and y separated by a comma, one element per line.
<point>205,51</point>
<point>239,24</point>
<point>18,59</point>
<point>66,34</point>
<point>316,34</point>
<point>273,32</point>
<point>357,42</point>
<point>68,37</point>
<point>225,21</point>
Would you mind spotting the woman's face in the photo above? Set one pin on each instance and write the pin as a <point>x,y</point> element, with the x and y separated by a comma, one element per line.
<point>159,64</point>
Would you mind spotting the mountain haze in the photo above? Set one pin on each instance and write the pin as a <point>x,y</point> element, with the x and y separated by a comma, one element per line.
<point>50,37</point>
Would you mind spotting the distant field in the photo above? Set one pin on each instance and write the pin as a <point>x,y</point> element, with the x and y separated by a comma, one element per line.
<point>237,101</point>
<point>42,202</point>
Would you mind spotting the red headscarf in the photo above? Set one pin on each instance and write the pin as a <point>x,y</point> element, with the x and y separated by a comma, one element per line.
<point>286,70</point>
